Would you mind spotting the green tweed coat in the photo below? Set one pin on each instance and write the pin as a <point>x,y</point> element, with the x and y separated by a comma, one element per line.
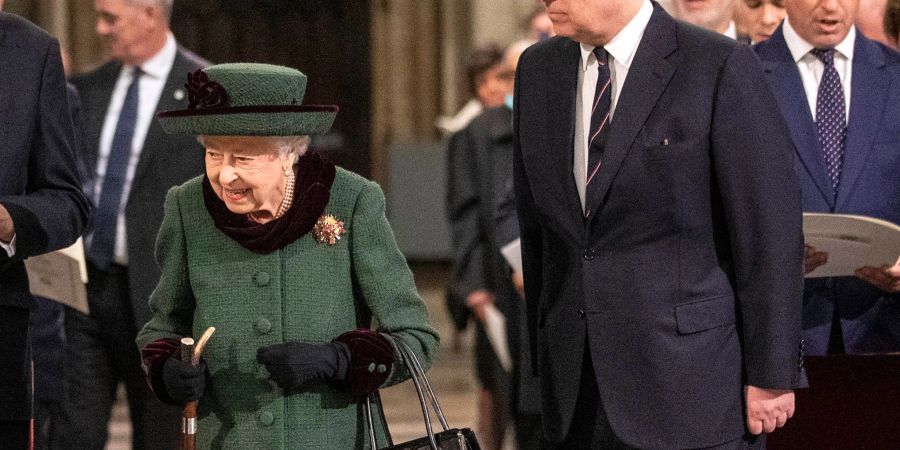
<point>306,291</point>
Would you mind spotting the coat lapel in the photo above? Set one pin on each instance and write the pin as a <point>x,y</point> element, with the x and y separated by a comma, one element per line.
<point>867,100</point>
<point>785,80</point>
<point>648,77</point>
<point>562,87</point>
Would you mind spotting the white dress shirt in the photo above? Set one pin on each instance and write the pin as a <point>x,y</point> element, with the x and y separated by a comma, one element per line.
<point>621,51</point>
<point>731,31</point>
<point>9,247</point>
<point>811,68</point>
<point>150,86</point>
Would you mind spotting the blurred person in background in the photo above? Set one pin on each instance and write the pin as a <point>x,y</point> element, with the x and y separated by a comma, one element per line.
<point>538,25</point>
<point>762,17</point>
<point>480,166</point>
<point>42,207</point>
<point>715,15</point>
<point>134,163</point>
<point>487,83</point>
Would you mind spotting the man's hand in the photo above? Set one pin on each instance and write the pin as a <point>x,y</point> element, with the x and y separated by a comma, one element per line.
<point>886,278</point>
<point>477,301</point>
<point>7,228</point>
<point>519,283</point>
<point>768,409</point>
<point>813,259</point>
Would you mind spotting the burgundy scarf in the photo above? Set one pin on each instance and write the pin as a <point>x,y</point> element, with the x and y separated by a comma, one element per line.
<point>312,189</point>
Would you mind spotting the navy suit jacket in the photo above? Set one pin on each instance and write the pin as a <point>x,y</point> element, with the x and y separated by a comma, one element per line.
<point>166,160</point>
<point>39,182</point>
<point>869,185</point>
<point>685,283</point>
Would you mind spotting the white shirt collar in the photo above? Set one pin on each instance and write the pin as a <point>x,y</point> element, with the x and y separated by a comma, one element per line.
<point>623,46</point>
<point>731,31</point>
<point>159,65</point>
<point>799,48</point>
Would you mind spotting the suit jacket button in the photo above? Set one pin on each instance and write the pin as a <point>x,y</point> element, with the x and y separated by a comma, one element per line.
<point>261,279</point>
<point>263,326</point>
<point>581,313</point>
<point>588,254</point>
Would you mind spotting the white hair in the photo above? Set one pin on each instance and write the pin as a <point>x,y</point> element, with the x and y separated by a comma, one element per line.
<point>286,145</point>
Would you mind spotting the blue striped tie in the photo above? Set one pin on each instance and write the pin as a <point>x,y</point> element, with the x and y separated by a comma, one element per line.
<point>104,237</point>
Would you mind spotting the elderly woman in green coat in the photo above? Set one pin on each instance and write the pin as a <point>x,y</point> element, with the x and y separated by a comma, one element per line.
<point>291,259</point>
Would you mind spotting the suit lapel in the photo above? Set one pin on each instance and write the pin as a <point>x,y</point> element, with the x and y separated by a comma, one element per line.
<point>868,85</point>
<point>96,100</point>
<point>562,87</point>
<point>647,78</point>
<point>785,80</point>
<point>4,74</point>
<point>168,100</point>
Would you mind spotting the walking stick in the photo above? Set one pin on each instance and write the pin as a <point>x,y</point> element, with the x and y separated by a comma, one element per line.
<point>190,354</point>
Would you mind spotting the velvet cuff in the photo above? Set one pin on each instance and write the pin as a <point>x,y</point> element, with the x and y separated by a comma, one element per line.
<point>153,358</point>
<point>371,359</point>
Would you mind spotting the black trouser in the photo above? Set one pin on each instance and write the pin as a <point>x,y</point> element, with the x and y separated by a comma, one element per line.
<point>102,353</point>
<point>590,428</point>
<point>15,378</point>
<point>48,351</point>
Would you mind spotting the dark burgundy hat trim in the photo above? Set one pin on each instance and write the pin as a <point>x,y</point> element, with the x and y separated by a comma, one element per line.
<point>248,110</point>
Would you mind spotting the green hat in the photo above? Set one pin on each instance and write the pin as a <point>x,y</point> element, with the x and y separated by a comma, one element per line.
<point>246,99</point>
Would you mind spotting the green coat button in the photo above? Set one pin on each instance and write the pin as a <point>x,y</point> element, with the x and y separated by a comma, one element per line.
<point>371,367</point>
<point>263,326</point>
<point>261,279</point>
<point>266,418</point>
<point>382,368</point>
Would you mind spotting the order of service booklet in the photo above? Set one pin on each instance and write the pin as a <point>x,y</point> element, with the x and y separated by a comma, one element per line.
<point>851,242</point>
<point>60,276</point>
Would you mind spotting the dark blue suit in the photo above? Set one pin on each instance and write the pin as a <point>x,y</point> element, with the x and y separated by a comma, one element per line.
<point>869,185</point>
<point>39,186</point>
<point>685,283</point>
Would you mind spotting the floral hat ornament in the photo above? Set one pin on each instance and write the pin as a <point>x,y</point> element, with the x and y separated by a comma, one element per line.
<point>248,99</point>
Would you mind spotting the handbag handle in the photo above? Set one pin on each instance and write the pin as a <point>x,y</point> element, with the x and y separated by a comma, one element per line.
<point>421,371</point>
<point>411,361</point>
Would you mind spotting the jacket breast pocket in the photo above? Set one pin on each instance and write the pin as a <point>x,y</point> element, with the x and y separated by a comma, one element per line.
<point>666,148</point>
<point>705,314</point>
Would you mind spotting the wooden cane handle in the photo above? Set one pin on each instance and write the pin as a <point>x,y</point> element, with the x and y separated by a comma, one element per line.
<point>187,350</point>
<point>201,344</point>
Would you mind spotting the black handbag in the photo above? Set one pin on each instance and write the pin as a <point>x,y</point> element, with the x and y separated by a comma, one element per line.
<point>449,439</point>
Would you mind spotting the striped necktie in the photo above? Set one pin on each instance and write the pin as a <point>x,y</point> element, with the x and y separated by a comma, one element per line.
<point>599,130</point>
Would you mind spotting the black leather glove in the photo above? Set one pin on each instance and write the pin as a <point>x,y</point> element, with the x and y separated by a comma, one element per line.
<point>184,382</point>
<point>293,365</point>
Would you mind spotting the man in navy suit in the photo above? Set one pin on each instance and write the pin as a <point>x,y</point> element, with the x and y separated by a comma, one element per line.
<point>661,233</point>
<point>41,204</point>
<point>840,93</point>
